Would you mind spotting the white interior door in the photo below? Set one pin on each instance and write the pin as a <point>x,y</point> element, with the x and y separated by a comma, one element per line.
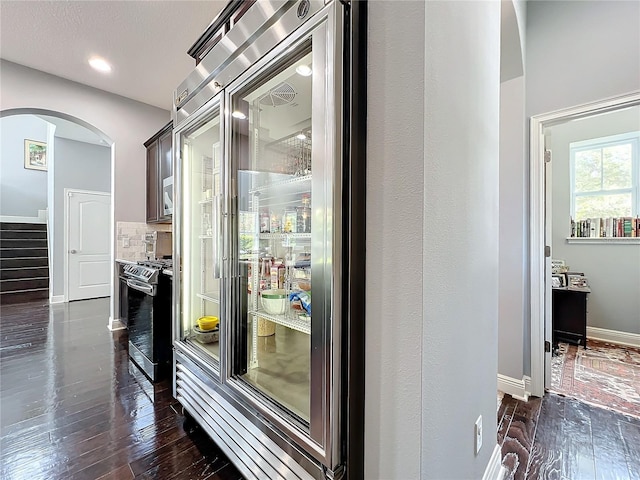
<point>89,241</point>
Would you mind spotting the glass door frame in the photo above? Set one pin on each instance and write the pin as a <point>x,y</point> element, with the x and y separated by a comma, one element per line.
<point>322,439</point>
<point>199,118</point>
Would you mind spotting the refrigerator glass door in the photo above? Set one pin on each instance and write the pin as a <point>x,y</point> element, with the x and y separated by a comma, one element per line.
<point>200,236</point>
<point>273,161</point>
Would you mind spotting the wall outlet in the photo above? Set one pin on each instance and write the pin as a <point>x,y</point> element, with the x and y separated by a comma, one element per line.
<point>478,432</point>
<point>125,241</point>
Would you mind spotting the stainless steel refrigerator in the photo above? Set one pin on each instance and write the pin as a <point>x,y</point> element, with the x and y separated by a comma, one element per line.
<point>269,240</point>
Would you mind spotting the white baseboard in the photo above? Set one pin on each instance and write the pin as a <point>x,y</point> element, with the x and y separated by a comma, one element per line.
<point>527,386</point>
<point>15,219</point>
<point>115,324</point>
<point>614,336</point>
<point>514,387</point>
<point>56,299</point>
<point>494,470</point>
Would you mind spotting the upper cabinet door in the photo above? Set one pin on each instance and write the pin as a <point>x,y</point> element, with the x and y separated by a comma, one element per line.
<point>153,207</point>
<point>199,241</point>
<point>165,159</point>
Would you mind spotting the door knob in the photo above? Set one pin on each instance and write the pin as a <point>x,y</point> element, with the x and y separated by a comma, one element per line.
<point>73,251</point>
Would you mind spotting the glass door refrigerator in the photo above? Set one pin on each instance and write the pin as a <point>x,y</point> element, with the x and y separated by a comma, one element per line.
<point>269,229</point>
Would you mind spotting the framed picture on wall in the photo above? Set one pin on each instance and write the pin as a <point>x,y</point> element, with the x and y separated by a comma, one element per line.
<point>35,155</point>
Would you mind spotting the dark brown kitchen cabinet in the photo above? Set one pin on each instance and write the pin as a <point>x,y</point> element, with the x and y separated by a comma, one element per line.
<point>160,176</point>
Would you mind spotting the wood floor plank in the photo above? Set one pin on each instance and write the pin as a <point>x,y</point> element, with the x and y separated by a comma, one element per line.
<point>122,473</point>
<point>74,406</point>
<point>577,444</point>
<point>192,462</point>
<point>630,432</point>
<point>545,459</point>
<point>505,414</point>
<point>519,438</point>
<point>608,446</point>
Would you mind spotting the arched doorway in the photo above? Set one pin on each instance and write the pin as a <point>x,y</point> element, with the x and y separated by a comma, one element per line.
<point>86,164</point>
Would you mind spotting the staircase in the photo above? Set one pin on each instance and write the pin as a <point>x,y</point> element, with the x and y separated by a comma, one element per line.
<point>24,263</point>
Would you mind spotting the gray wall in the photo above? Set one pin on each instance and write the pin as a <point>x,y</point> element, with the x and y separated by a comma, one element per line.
<point>126,123</point>
<point>579,52</point>
<point>576,52</point>
<point>613,269</point>
<point>513,219</point>
<point>432,289</point>
<point>82,166</point>
<point>22,191</point>
<point>512,330</point>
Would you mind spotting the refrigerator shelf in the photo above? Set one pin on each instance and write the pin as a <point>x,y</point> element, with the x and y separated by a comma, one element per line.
<point>294,322</point>
<point>287,186</point>
<point>270,236</point>
<point>209,297</point>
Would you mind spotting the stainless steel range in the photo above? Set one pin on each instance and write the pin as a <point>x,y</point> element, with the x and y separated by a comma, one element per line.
<point>149,317</point>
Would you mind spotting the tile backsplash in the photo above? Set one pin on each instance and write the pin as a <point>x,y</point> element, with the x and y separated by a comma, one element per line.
<point>132,234</point>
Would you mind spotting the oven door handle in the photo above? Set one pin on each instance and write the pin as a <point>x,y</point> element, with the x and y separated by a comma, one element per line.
<point>141,287</point>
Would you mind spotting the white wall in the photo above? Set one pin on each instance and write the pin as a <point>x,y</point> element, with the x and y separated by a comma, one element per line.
<point>613,270</point>
<point>77,165</point>
<point>22,191</point>
<point>432,289</point>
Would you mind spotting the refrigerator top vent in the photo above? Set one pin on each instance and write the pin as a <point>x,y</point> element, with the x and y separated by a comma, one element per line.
<point>283,94</point>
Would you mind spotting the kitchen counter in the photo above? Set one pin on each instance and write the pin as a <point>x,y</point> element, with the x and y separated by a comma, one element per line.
<point>119,260</point>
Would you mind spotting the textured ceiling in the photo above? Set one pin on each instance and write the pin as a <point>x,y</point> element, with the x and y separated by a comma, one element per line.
<point>146,41</point>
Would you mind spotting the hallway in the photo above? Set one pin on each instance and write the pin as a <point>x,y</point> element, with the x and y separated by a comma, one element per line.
<point>74,407</point>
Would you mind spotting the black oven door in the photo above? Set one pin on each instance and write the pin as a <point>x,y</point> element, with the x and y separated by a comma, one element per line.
<point>140,313</point>
<point>124,302</point>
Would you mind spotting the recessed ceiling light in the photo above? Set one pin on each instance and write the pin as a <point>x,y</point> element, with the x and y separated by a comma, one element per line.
<point>301,136</point>
<point>238,114</point>
<point>100,64</point>
<point>304,70</point>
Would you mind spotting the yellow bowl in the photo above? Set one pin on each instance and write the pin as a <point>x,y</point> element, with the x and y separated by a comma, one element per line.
<point>208,323</point>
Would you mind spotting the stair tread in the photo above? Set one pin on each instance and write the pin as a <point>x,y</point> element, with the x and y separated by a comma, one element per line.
<point>40,289</point>
<point>24,278</point>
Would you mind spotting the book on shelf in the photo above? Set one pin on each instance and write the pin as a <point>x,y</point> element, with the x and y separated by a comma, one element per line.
<point>610,227</point>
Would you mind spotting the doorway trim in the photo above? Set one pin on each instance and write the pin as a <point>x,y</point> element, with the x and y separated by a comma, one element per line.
<point>541,323</point>
<point>67,193</point>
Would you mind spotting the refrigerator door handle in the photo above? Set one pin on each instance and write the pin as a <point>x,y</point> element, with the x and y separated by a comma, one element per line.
<point>217,209</point>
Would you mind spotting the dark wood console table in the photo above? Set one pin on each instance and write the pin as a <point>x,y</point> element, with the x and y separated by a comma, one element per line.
<point>569,315</point>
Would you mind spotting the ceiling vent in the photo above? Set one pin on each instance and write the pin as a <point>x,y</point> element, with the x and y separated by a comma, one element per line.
<point>283,94</point>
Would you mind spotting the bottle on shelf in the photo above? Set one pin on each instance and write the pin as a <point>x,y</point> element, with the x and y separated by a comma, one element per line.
<point>290,220</point>
<point>276,222</point>
<point>265,221</point>
<point>274,269</point>
<point>304,215</point>
<point>265,274</point>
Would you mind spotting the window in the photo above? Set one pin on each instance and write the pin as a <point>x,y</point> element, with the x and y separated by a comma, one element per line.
<point>605,177</point>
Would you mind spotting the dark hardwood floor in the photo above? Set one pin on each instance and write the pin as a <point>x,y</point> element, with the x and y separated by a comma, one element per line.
<point>73,407</point>
<point>561,438</point>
